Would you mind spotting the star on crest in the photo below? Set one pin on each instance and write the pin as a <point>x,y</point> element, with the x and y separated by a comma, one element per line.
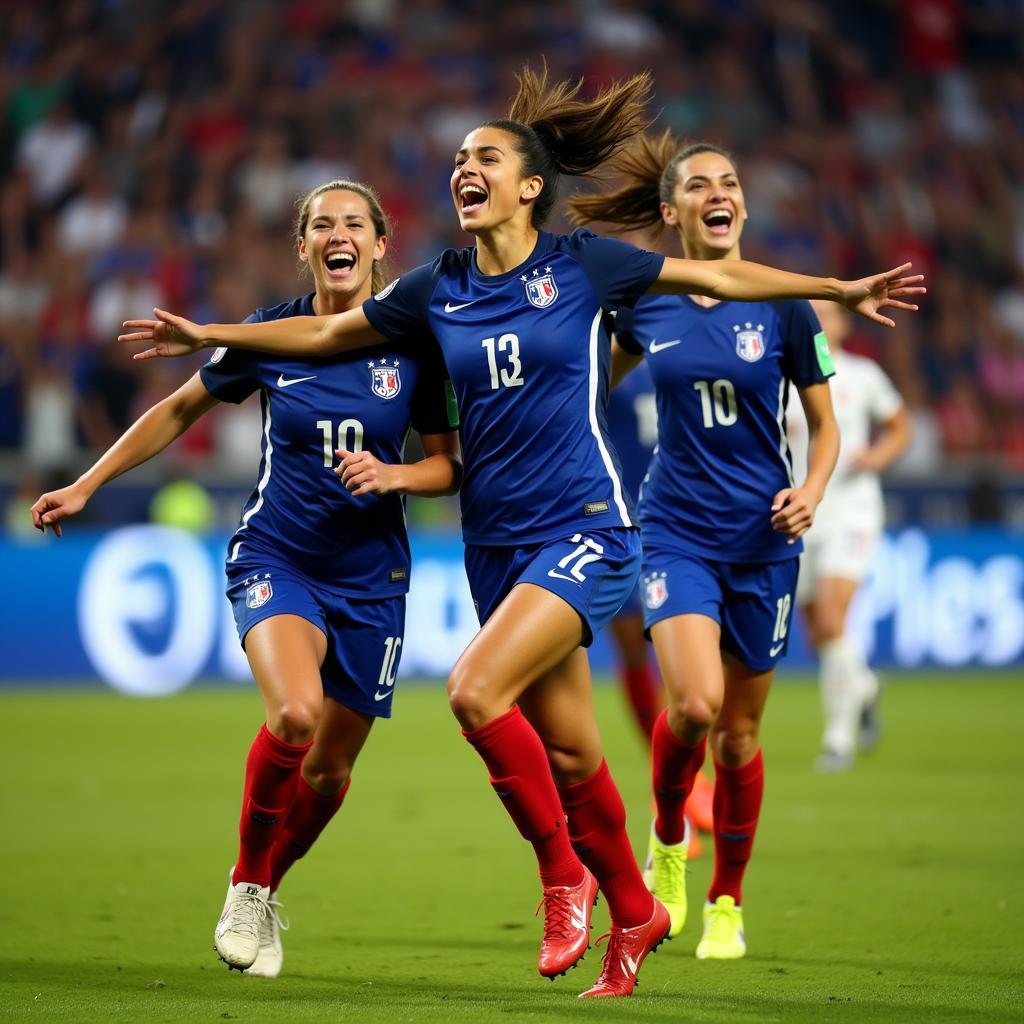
<point>536,272</point>
<point>523,279</point>
<point>547,270</point>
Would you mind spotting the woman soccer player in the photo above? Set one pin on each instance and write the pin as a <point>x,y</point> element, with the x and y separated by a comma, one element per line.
<point>551,550</point>
<point>317,573</point>
<point>720,514</point>
<point>633,431</point>
<point>839,546</point>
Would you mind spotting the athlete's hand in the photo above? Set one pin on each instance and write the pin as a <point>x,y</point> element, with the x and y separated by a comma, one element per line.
<point>362,473</point>
<point>54,506</point>
<point>870,294</point>
<point>867,461</point>
<point>793,511</point>
<point>172,335</point>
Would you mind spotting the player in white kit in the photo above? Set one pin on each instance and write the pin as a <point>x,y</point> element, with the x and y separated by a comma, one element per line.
<point>838,549</point>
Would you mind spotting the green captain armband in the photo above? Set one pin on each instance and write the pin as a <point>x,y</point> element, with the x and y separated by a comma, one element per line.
<point>453,405</point>
<point>825,363</point>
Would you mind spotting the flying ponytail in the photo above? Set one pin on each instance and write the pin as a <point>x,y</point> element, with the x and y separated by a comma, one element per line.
<point>557,133</point>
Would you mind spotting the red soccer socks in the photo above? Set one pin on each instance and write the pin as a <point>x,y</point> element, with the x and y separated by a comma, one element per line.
<point>738,793</point>
<point>597,827</point>
<point>310,812</point>
<point>271,775</point>
<point>674,767</point>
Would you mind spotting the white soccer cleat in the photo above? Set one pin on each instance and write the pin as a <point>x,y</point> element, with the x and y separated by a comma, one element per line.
<point>270,958</point>
<point>237,935</point>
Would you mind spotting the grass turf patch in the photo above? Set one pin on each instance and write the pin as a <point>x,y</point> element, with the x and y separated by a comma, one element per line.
<point>892,893</point>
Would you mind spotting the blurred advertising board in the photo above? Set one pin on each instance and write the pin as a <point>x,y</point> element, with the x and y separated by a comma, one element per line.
<point>143,607</point>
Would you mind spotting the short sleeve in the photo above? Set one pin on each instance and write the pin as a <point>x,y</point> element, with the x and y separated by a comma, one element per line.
<point>624,333</point>
<point>807,358</point>
<point>399,311</point>
<point>884,401</point>
<point>434,409</point>
<point>232,374</point>
<point>619,272</point>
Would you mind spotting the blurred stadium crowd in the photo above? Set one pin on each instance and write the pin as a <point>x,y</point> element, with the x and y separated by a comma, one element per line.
<point>152,151</point>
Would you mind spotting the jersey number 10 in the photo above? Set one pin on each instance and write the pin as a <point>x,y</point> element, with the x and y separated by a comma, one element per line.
<point>350,438</point>
<point>717,402</point>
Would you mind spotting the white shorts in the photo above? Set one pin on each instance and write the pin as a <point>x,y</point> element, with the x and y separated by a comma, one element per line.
<point>839,550</point>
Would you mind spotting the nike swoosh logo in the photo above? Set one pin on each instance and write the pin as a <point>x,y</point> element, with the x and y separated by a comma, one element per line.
<point>657,347</point>
<point>449,308</point>
<point>556,575</point>
<point>383,696</point>
<point>775,650</point>
<point>282,383</point>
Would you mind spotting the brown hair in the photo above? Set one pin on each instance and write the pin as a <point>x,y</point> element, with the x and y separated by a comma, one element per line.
<point>379,275</point>
<point>556,133</point>
<point>650,165</point>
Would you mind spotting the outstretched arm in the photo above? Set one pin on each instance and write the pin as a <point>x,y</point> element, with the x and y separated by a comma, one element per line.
<point>150,434</point>
<point>751,282</point>
<point>297,335</point>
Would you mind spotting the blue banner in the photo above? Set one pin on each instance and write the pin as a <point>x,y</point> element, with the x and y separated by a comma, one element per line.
<point>143,607</point>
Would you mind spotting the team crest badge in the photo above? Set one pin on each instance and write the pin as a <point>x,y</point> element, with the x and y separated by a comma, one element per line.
<point>541,291</point>
<point>655,590</point>
<point>749,341</point>
<point>386,382</point>
<point>258,594</point>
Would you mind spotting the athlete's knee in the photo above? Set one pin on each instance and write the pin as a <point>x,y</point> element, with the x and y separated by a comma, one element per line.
<point>736,745</point>
<point>469,696</point>
<point>571,764</point>
<point>326,778</point>
<point>828,622</point>
<point>295,721</point>
<point>692,713</point>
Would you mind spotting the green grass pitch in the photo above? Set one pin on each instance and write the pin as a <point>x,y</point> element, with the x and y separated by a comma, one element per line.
<point>889,894</point>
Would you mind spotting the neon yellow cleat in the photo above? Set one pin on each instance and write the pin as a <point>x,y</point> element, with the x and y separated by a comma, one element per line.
<point>665,876</point>
<point>723,937</point>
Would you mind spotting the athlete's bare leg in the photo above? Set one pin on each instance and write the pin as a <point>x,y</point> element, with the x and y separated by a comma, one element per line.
<point>687,647</point>
<point>735,736</point>
<point>285,653</point>
<point>530,633</point>
<point>338,741</point>
<point>560,706</point>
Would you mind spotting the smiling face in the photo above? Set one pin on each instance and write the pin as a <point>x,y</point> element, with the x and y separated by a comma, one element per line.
<point>488,186</point>
<point>340,244</point>
<point>707,207</point>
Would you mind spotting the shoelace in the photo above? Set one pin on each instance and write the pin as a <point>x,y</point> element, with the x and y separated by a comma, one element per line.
<point>612,955</point>
<point>673,865</point>
<point>557,914</point>
<point>723,924</point>
<point>277,919</point>
<point>247,914</point>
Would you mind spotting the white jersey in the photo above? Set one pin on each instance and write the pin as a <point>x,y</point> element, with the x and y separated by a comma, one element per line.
<point>862,396</point>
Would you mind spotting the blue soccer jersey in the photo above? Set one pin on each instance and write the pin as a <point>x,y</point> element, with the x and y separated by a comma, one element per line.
<point>633,426</point>
<point>528,352</point>
<point>362,401</point>
<point>722,374</point>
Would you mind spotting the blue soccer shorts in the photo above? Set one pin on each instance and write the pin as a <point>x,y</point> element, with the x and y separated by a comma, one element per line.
<point>593,572</point>
<point>364,638</point>
<point>752,603</point>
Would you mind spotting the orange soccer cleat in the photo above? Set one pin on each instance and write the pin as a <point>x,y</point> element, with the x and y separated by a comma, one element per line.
<point>566,925</point>
<point>698,807</point>
<point>627,950</point>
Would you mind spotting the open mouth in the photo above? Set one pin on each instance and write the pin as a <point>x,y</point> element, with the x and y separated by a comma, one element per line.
<point>340,264</point>
<point>718,222</point>
<point>471,198</point>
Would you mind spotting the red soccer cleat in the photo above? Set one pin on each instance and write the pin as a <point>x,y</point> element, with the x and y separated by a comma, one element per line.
<point>698,804</point>
<point>627,950</point>
<point>566,925</point>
